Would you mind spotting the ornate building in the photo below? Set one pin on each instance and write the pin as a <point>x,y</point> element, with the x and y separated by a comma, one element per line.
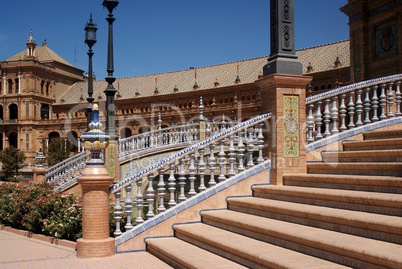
<point>43,96</point>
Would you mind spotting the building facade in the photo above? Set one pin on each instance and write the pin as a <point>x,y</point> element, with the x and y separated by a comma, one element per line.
<point>42,96</point>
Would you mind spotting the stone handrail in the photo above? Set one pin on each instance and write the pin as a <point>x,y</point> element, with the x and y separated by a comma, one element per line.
<point>66,171</point>
<point>352,106</point>
<point>238,147</point>
<point>176,135</point>
<point>180,135</point>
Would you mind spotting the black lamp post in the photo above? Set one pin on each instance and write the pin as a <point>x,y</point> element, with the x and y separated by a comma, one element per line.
<point>110,91</point>
<point>90,40</point>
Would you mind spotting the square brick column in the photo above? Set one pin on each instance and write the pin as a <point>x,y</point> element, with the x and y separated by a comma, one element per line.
<point>95,241</point>
<point>284,96</point>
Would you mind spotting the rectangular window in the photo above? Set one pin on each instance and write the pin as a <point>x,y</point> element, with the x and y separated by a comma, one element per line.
<point>26,141</point>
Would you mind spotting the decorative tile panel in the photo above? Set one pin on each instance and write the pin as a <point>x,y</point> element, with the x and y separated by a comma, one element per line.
<point>291,138</point>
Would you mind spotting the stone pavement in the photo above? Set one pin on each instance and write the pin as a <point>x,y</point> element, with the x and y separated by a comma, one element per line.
<point>17,251</point>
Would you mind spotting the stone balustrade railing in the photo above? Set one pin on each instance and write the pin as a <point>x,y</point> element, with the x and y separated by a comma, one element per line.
<point>67,171</point>
<point>353,106</point>
<point>188,172</point>
<point>171,136</point>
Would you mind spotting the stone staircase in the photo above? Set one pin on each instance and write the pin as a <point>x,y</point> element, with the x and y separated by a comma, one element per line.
<point>345,212</point>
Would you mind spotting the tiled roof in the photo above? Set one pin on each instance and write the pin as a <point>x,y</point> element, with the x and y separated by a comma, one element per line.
<point>321,58</point>
<point>42,54</point>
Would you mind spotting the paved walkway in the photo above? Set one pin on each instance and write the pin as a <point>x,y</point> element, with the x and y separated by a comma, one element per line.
<point>21,252</point>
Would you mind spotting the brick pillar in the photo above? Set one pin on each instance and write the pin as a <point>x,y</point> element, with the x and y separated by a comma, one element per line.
<point>284,96</point>
<point>39,174</point>
<point>95,241</point>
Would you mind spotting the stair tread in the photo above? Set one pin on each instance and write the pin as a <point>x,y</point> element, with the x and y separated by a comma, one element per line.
<point>369,198</point>
<point>260,252</point>
<point>345,244</point>
<point>361,164</point>
<point>370,221</point>
<point>377,180</point>
<point>391,152</point>
<point>190,255</point>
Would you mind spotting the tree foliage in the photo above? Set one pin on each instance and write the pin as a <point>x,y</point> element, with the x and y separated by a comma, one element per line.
<point>12,160</point>
<point>58,151</point>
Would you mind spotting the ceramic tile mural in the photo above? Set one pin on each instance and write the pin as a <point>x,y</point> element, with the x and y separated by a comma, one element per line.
<point>291,125</point>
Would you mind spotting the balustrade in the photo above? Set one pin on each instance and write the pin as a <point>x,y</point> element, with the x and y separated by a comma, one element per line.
<point>353,106</point>
<point>187,171</point>
<point>67,171</point>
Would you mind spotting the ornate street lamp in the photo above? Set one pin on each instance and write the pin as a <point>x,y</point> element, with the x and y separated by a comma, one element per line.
<point>90,40</point>
<point>110,91</point>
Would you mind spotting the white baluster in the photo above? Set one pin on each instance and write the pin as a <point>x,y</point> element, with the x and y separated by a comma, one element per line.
<point>231,157</point>
<point>310,124</point>
<point>161,192</point>
<point>211,166</point>
<point>192,172</point>
<point>260,143</point>
<point>201,170</point>
<point>327,118</point>
<point>240,149</point>
<point>366,106</point>
<point>117,214</point>
<point>150,197</point>
<point>182,180</point>
<point>334,115</point>
<point>128,207</point>
<point>250,149</point>
<point>398,98</point>
<point>221,161</point>
<point>383,102</point>
<point>139,202</point>
<point>351,110</point>
<point>342,113</point>
<point>172,186</point>
<point>359,108</point>
<point>318,121</point>
<point>390,100</point>
<point>374,104</point>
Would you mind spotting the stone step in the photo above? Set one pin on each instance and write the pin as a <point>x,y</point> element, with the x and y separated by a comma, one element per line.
<point>370,168</point>
<point>371,202</point>
<point>180,254</point>
<point>363,156</point>
<point>250,252</point>
<point>390,134</point>
<point>346,249</point>
<point>384,184</point>
<point>377,144</point>
<point>369,225</point>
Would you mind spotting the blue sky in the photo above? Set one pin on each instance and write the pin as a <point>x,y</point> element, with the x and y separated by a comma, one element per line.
<point>154,36</point>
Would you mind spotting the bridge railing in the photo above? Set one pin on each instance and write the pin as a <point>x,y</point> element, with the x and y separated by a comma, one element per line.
<point>158,138</point>
<point>66,172</point>
<point>353,106</point>
<point>188,172</point>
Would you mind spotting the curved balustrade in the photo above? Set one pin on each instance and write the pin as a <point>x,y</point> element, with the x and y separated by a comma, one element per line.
<point>67,171</point>
<point>176,135</point>
<point>213,160</point>
<point>353,106</point>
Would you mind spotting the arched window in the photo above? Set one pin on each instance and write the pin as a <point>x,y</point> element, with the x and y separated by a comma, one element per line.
<point>13,140</point>
<point>17,85</point>
<point>47,88</point>
<point>125,132</point>
<point>10,86</point>
<point>42,86</point>
<point>13,112</point>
